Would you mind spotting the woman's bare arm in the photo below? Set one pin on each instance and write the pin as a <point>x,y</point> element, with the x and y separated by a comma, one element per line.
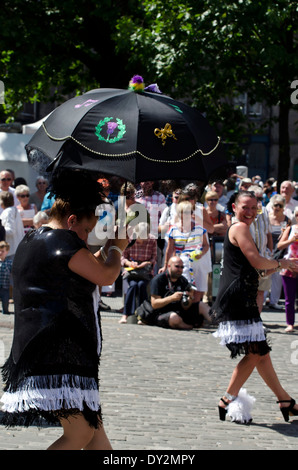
<point>240,236</point>
<point>99,269</point>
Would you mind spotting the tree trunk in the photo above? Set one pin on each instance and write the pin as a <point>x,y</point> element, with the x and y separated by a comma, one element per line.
<point>284,143</point>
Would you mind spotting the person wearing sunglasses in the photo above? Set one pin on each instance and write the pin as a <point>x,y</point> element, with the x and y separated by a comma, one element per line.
<point>26,209</point>
<point>279,221</point>
<point>287,190</point>
<point>5,180</point>
<point>218,218</point>
<point>173,300</point>
<point>41,188</point>
<point>218,186</point>
<point>289,241</point>
<point>5,185</point>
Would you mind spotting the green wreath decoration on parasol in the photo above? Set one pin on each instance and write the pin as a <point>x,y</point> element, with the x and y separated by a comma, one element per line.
<point>114,125</point>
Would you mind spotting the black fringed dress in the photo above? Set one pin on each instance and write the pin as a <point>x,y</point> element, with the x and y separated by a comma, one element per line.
<point>52,370</point>
<point>235,308</point>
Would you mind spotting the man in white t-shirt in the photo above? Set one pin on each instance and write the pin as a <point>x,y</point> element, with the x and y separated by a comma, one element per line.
<point>287,189</point>
<point>5,185</point>
<point>218,187</point>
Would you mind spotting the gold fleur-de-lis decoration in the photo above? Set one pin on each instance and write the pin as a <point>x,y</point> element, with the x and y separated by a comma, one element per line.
<point>164,133</point>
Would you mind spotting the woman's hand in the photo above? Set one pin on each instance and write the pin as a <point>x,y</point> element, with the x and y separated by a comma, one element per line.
<point>195,255</point>
<point>294,238</point>
<point>143,264</point>
<point>132,264</point>
<point>290,264</point>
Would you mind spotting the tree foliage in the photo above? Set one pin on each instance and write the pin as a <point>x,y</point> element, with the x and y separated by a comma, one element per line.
<point>50,49</point>
<point>203,51</point>
<point>212,50</point>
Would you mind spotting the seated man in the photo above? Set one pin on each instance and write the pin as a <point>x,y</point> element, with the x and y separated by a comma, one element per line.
<point>167,291</point>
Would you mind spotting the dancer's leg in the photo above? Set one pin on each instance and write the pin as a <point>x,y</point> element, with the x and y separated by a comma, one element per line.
<point>100,441</point>
<point>267,372</point>
<point>242,372</point>
<point>265,369</point>
<point>239,376</point>
<point>77,433</point>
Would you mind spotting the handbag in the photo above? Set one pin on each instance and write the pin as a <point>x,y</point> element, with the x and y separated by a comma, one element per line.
<point>279,254</point>
<point>141,274</point>
<point>146,313</point>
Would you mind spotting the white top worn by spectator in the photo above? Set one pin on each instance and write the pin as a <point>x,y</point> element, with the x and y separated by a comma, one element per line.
<point>287,189</point>
<point>14,229</point>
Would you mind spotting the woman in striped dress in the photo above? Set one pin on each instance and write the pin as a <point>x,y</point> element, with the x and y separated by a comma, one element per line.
<point>189,241</point>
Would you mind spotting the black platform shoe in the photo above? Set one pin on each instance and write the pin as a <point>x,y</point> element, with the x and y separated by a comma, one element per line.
<point>222,411</point>
<point>288,410</point>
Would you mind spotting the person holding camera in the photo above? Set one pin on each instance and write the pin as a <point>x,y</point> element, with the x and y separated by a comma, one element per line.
<point>172,297</point>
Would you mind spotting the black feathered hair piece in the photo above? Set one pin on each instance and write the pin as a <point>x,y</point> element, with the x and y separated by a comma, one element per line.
<point>77,187</point>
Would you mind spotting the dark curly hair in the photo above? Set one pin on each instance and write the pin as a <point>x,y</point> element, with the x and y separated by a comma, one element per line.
<point>76,192</point>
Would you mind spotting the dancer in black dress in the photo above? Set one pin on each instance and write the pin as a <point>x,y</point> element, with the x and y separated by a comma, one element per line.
<point>235,309</point>
<point>52,370</point>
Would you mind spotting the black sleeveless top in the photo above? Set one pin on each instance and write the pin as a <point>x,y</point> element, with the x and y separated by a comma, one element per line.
<point>237,294</point>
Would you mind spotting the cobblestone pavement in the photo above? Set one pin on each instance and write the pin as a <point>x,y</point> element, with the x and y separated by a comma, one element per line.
<point>160,390</point>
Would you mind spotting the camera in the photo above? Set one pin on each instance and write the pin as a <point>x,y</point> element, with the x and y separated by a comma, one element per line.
<point>185,299</point>
<point>185,296</point>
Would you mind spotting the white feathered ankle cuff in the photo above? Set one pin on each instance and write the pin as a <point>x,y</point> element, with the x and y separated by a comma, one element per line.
<point>239,410</point>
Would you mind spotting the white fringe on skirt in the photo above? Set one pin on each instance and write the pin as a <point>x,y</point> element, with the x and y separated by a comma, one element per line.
<point>56,392</point>
<point>240,332</point>
<point>49,393</point>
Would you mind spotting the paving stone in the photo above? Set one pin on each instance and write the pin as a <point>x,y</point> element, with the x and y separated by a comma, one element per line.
<point>160,389</point>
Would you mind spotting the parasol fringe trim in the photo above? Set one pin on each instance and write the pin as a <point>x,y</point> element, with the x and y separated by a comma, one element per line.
<point>205,154</point>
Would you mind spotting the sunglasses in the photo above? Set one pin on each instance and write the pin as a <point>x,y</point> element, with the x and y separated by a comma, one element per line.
<point>278,205</point>
<point>212,200</point>
<point>24,195</point>
<point>5,179</point>
<point>178,266</point>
